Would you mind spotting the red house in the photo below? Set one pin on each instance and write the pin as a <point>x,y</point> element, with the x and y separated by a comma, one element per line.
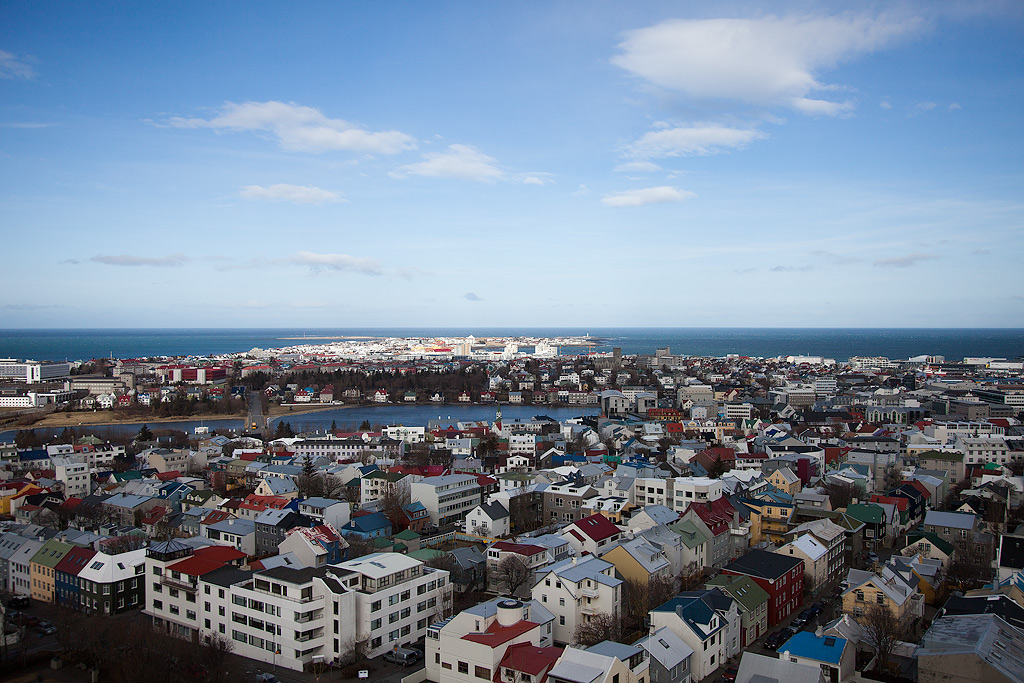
<point>781,576</point>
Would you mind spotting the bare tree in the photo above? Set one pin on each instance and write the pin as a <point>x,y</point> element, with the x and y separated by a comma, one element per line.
<point>840,494</point>
<point>883,630</point>
<point>691,576</point>
<point>124,543</point>
<point>396,497</point>
<point>512,572</point>
<point>357,546</point>
<point>599,627</point>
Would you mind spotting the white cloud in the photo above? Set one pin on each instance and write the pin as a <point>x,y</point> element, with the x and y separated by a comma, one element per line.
<point>299,128</point>
<point>12,67</point>
<point>885,104</point>
<point>337,262</point>
<point>639,167</point>
<point>697,140</point>
<point>458,161</point>
<point>532,180</point>
<point>905,261</point>
<point>172,260</point>
<point>649,195</point>
<point>954,105</point>
<point>470,296</point>
<point>765,62</point>
<point>298,194</point>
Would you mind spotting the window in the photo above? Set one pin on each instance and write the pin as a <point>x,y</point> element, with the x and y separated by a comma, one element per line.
<point>374,606</point>
<point>463,668</point>
<point>157,588</point>
<point>880,598</point>
<point>561,620</point>
<point>157,604</point>
<point>481,672</point>
<point>375,624</point>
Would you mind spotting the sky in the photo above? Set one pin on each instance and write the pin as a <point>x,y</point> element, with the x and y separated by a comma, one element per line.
<point>560,164</point>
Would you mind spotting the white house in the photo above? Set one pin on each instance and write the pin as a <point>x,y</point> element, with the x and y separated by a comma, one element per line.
<point>489,519</point>
<point>575,591</point>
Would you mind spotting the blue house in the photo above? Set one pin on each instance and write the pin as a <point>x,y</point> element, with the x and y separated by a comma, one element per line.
<point>368,527</point>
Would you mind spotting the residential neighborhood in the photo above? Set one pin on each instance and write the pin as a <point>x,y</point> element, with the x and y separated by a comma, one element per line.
<point>701,518</point>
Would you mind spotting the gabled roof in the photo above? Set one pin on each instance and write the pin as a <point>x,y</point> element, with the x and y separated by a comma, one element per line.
<point>596,527</point>
<point>953,520</point>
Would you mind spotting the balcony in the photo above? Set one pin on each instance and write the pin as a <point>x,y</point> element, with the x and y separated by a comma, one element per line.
<point>178,583</point>
<point>589,610</point>
<point>588,592</point>
<point>308,617</point>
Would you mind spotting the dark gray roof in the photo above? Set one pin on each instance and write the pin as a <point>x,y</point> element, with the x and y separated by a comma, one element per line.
<point>296,576</point>
<point>227,576</point>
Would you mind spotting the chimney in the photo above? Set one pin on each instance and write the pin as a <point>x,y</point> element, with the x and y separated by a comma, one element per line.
<point>819,632</point>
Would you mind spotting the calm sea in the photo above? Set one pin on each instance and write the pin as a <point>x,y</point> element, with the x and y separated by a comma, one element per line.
<point>840,344</point>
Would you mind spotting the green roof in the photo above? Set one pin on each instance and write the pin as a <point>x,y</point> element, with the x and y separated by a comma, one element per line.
<point>742,589</point>
<point>381,542</point>
<point>941,455</point>
<point>51,552</point>
<point>935,540</point>
<point>426,554</point>
<point>690,532</point>
<point>866,512</point>
<point>407,535</point>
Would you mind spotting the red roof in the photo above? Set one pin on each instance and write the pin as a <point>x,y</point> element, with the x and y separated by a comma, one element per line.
<point>518,548</point>
<point>195,566</point>
<point>75,561</point>
<point>496,634</point>
<point>530,659</point>
<point>920,487</point>
<point>219,553</point>
<point>902,504</point>
<point>215,516</point>
<point>597,527</point>
<point>717,515</point>
<point>167,476</point>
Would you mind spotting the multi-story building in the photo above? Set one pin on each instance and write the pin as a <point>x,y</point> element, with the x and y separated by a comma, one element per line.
<point>472,646</point>
<point>563,502</point>
<point>707,621</point>
<point>73,474</point>
<point>576,591</point>
<point>686,490</point>
<point>41,568</point>
<point>781,576</point>
<point>32,371</point>
<point>110,584</point>
<point>447,498</point>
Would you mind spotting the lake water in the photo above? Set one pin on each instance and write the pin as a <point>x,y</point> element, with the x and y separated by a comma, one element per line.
<point>346,418</point>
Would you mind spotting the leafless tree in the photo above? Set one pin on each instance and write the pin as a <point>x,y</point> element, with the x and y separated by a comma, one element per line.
<point>883,630</point>
<point>840,494</point>
<point>396,497</point>
<point>599,627</point>
<point>125,543</point>
<point>512,572</point>
<point>357,546</point>
<point>691,576</point>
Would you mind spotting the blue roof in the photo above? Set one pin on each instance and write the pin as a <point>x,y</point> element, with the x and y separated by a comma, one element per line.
<point>368,523</point>
<point>828,649</point>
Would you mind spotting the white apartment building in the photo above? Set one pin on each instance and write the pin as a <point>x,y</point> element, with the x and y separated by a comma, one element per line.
<point>577,590</point>
<point>950,431</point>
<point>447,498</point>
<point>73,473</point>
<point>652,491</point>
<point>32,371</point>
<point>983,449</point>
<point>409,435</point>
<point>686,490</point>
<point>522,443</point>
<point>291,617</point>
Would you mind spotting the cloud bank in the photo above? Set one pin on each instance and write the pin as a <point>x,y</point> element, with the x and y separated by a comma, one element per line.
<point>297,194</point>
<point>13,67</point>
<point>170,261</point>
<point>337,263</point>
<point>649,195</point>
<point>772,61</point>
<point>300,129</point>
<point>463,162</point>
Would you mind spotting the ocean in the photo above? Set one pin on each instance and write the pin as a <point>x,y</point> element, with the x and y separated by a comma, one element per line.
<point>838,343</point>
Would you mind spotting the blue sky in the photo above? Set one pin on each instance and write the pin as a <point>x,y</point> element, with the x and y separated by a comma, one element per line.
<point>530,163</point>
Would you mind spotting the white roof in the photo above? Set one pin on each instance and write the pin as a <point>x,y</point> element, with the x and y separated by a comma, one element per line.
<point>379,565</point>
<point>103,568</point>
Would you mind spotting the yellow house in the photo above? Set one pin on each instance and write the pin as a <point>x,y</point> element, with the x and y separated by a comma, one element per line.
<point>10,491</point>
<point>638,561</point>
<point>785,481</point>
<point>769,520</point>
<point>868,589</point>
<point>42,568</point>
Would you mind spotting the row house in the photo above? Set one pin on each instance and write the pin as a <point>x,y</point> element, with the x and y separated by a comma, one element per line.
<point>781,576</point>
<point>715,519</point>
<point>752,602</point>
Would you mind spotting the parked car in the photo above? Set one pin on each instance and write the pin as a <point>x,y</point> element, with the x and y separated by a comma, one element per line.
<point>46,630</point>
<point>818,608</point>
<point>730,673</point>
<point>402,656</point>
<point>19,602</point>
<point>773,641</point>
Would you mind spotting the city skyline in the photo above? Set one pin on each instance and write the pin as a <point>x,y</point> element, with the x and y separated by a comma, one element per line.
<point>556,164</point>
